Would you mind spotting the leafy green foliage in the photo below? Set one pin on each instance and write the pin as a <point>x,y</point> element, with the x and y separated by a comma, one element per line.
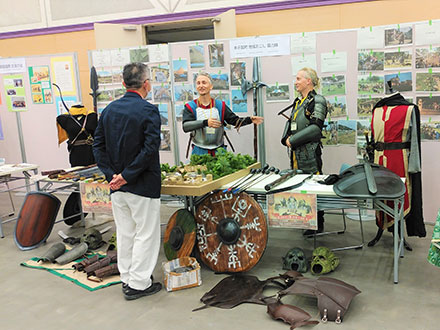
<point>165,167</point>
<point>223,163</point>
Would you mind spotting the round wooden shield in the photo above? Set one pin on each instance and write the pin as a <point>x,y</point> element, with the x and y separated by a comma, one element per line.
<point>180,235</point>
<point>231,232</point>
<point>36,219</point>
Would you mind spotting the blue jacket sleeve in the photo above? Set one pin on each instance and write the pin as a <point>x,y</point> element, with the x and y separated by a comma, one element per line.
<point>149,150</point>
<point>100,151</point>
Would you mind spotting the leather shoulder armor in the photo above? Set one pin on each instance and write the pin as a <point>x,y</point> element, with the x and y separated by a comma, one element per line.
<point>320,111</point>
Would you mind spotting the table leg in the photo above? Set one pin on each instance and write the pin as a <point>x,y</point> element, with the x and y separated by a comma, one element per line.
<point>398,236</point>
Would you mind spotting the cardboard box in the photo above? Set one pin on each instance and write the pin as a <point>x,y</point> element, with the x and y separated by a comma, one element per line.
<point>181,280</point>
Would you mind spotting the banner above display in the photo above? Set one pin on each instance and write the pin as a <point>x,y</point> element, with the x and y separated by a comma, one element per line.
<point>260,46</point>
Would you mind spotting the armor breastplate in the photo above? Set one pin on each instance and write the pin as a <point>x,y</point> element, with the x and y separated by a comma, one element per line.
<point>208,137</point>
<point>301,121</point>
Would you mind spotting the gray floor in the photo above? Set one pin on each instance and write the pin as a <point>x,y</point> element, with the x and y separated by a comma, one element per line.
<point>36,299</point>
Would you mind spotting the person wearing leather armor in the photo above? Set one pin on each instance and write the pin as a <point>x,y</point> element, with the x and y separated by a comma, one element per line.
<point>205,118</point>
<point>302,133</point>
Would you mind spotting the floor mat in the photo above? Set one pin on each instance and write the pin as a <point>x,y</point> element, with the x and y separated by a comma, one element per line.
<point>67,272</point>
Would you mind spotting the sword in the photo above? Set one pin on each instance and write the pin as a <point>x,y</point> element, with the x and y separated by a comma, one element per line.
<point>254,86</point>
<point>282,179</point>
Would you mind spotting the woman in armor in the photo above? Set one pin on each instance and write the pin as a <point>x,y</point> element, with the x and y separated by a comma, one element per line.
<point>302,133</point>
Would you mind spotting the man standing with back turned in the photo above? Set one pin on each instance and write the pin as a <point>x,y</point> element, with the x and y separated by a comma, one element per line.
<point>126,148</point>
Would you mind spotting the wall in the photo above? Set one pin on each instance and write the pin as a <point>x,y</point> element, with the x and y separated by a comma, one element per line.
<point>79,42</point>
<point>271,22</point>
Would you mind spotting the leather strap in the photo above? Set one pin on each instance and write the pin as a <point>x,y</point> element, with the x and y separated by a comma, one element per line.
<point>381,146</point>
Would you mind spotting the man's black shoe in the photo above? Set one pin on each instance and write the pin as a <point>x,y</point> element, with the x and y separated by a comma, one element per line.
<point>132,294</point>
<point>125,285</point>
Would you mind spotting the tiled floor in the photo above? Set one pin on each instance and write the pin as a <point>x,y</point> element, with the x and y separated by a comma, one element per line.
<point>34,299</point>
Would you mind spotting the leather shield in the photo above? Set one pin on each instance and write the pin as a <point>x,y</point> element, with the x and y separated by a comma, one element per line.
<point>180,235</point>
<point>36,219</point>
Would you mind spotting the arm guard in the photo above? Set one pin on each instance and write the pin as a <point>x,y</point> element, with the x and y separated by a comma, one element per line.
<point>107,271</point>
<point>232,119</point>
<point>311,133</point>
<point>193,125</point>
<point>96,265</point>
<point>286,133</point>
<point>73,254</point>
<point>320,110</point>
<point>86,262</point>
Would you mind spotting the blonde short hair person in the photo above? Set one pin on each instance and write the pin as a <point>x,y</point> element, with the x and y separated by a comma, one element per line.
<point>302,133</point>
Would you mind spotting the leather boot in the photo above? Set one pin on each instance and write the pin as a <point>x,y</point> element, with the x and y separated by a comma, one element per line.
<point>311,232</point>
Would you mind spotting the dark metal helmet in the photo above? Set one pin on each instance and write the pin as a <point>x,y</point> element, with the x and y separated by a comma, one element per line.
<point>295,259</point>
<point>93,238</point>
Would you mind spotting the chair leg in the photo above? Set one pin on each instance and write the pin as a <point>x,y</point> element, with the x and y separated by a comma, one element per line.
<point>10,198</point>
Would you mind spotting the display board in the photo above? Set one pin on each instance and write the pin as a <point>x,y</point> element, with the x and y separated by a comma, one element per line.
<point>109,64</point>
<point>30,104</point>
<point>354,66</point>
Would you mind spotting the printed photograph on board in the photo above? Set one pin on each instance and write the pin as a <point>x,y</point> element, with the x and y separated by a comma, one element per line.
<point>117,75</point>
<point>363,127</point>
<point>222,96</point>
<point>165,140</point>
<point>428,57</point>
<point>47,96</point>
<point>427,82</point>
<point>336,106</point>
<point>163,112</point>
<point>216,56</point>
<point>139,55</point>
<point>105,76</point>
<point>220,81</point>
<point>330,132</point>
<point>18,82</point>
<point>40,73</point>
<point>160,73</point>
<point>239,102</point>
<point>346,131</point>
<point>238,73</point>
<point>180,68</point>
<point>18,102</point>
<point>197,56</point>
<point>365,106</point>
<point>292,210</point>
<point>178,109</point>
<point>429,105</point>
<point>398,60</point>
<point>35,88</point>
<point>400,82</point>
<point>371,61</point>
<point>183,92</point>
<point>106,95</point>
<point>333,85</point>
<point>161,93</point>
<point>430,131</point>
<point>398,36</point>
<point>370,84</point>
<point>277,93</point>
<point>37,98</point>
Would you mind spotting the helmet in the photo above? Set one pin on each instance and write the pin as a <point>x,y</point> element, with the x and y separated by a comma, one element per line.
<point>295,259</point>
<point>93,238</point>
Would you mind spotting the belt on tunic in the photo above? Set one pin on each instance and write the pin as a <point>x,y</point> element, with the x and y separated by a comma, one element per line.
<point>381,146</point>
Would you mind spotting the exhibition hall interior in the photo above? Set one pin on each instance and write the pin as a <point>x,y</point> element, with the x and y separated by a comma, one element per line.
<point>245,164</point>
